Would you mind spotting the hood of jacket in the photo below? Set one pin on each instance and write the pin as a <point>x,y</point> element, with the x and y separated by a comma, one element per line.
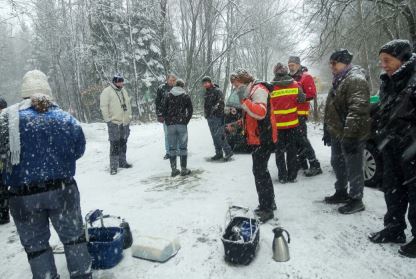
<point>177,91</point>
<point>284,80</point>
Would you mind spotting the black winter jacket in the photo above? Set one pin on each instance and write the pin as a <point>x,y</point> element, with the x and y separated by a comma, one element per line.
<point>177,109</point>
<point>161,94</point>
<point>396,115</point>
<point>214,102</point>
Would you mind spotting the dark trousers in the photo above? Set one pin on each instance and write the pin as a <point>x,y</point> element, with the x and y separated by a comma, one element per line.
<point>217,128</point>
<point>286,151</point>
<point>118,136</point>
<point>399,185</point>
<point>347,162</point>
<point>32,213</point>
<point>304,147</point>
<point>4,204</point>
<point>264,185</point>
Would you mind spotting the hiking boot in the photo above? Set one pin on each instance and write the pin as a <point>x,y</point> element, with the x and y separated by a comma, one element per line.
<point>265,215</point>
<point>228,156</point>
<point>303,164</point>
<point>353,206</point>
<point>387,236</point>
<point>314,170</point>
<point>125,165</point>
<point>185,172</point>
<point>338,197</point>
<point>217,157</point>
<point>409,250</point>
<point>292,180</point>
<point>113,171</point>
<point>166,157</point>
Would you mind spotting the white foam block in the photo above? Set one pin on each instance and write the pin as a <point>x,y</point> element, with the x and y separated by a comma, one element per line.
<point>154,248</point>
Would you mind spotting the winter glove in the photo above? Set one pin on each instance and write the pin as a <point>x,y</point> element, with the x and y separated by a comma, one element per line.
<point>327,137</point>
<point>160,119</point>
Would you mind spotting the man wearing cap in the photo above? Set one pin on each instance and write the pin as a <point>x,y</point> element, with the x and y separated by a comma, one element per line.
<point>396,129</point>
<point>4,201</point>
<point>214,113</point>
<point>305,150</point>
<point>347,120</point>
<point>42,144</point>
<point>115,104</point>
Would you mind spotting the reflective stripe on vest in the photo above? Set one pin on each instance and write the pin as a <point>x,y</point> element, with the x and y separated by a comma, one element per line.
<point>302,112</point>
<point>284,92</point>
<point>288,124</point>
<point>285,111</point>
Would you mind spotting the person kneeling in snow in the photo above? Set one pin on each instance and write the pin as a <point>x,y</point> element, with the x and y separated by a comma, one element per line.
<point>40,144</point>
<point>177,112</point>
<point>261,130</point>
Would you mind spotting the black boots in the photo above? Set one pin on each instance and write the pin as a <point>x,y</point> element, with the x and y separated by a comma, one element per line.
<point>314,170</point>
<point>228,156</point>
<point>387,236</point>
<point>265,215</point>
<point>258,209</point>
<point>217,157</point>
<point>184,163</point>
<point>409,250</point>
<point>4,216</point>
<point>125,165</point>
<point>338,197</point>
<point>353,206</point>
<point>175,171</point>
<point>166,157</point>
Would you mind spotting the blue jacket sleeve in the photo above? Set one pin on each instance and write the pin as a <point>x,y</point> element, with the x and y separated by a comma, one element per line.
<point>79,139</point>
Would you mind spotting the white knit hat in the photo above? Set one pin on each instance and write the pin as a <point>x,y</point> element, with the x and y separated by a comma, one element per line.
<point>35,82</point>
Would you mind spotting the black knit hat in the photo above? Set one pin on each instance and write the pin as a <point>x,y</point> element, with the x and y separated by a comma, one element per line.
<point>3,103</point>
<point>118,78</point>
<point>401,49</point>
<point>206,79</point>
<point>342,56</point>
<point>280,69</point>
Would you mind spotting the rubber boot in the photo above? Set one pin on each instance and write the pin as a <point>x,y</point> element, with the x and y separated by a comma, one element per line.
<point>184,163</point>
<point>175,171</point>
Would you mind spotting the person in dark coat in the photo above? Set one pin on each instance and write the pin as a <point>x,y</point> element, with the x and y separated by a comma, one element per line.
<point>177,112</point>
<point>4,201</point>
<point>396,130</point>
<point>347,120</point>
<point>161,93</point>
<point>39,164</point>
<point>214,113</point>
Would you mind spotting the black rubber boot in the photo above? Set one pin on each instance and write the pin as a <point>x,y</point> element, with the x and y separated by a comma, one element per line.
<point>353,206</point>
<point>265,215</point>
<point>409,250</point>
<point>314,170</point>
<point>217,157</point>
<point>338,197</point>
<point>387,236</point>
<point>258,209</point>
<point>175,171</point>
<point>184,163</point>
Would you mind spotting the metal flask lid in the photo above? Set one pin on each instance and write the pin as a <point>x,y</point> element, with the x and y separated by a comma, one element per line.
<point>280,245</point>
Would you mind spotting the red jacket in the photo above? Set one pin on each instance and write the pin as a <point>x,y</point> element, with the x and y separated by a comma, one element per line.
<point>259,123</point>
<point>308,85</point>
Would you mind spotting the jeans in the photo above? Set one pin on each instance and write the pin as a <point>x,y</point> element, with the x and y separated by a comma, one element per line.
<point>165,131</point>
<point>32,214</point>
<point>178,140</point>
<point>347,162</point>
<point>217,128</point>
<point>264,185</point>
<point>286,150</point>
<point>399,189</point>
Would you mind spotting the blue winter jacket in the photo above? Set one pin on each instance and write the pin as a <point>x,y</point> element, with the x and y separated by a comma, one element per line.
<point>51,142</point>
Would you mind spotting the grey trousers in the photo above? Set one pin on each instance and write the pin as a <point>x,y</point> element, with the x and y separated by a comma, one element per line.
<point>118,136</point>
<point>217,128</point>
<point>347,162</point>
<point>178,140</point>
<point>32,214</point>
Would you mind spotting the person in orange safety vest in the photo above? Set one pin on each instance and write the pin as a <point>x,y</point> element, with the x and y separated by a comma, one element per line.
<point>261,134</point>
<point>285,99</point>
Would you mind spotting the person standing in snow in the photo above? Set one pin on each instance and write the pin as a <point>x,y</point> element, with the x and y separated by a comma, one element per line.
<point>177,112</point>
<point>4,201</point>
<point>214,113</point>
<point>305,150</point>
<point>42,144</point>
<point>261,133</point>
<point>396,129</point>
<point>347,120</point>
<point>115,104</point>
<point>285,99</point>
<point>161,94</point>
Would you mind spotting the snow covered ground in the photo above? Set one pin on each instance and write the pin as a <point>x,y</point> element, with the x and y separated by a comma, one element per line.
<point>324,243</point>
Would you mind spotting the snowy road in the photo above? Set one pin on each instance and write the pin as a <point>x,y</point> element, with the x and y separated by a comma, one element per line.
<point>324,243</point>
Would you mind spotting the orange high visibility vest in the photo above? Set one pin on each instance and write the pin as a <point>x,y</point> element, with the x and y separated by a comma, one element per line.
<point>285,106</point>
